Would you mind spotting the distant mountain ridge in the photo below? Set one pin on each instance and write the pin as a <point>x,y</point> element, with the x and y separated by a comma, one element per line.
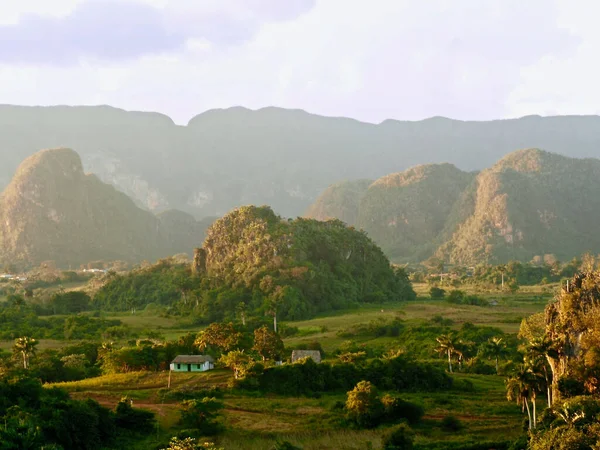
<point>529,203</point>
<point>283,158</point>
<point>52,210</point>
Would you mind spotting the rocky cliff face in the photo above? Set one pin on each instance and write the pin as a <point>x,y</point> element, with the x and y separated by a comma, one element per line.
<point>52,210</point>
<point>529,203</point>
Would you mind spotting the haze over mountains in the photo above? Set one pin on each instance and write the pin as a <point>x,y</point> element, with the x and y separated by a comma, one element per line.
<point>283,158</point>
<point>529,203</point>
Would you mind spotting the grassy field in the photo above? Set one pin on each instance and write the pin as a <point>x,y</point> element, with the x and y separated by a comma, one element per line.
<point>258,422</point>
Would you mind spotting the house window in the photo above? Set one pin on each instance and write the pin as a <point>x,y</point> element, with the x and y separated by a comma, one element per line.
<point>178,366</point>
<point>199,366</point>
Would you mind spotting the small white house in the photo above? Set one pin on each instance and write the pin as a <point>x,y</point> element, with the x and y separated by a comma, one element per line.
<point>192,363</point>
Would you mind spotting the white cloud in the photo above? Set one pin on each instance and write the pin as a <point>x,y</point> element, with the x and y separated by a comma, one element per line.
<point>564,83</point>
<point>12,10</point>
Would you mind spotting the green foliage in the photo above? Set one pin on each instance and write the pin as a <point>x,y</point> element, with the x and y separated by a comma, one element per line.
<point>35,417</point>
<point>397,409</point>
<point>18,318</point>
<point>398,373</point>
<point>164,284</point>
<point>130,418</point>
<point>201,415</point>
<point>400,437</point>
<point>451,424</point>
<point>70,302</point>
<point>436,292</point>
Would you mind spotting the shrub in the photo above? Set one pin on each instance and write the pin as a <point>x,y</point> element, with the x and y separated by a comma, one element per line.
<point>451,424</point>
<point>397,409</point>
<point>132,418</point>
<point>400,438</point>
<point>436,292</point>
<point>201,415</point>
<point>456,296</point>
<point>570,387</point>
<point>363,406</point>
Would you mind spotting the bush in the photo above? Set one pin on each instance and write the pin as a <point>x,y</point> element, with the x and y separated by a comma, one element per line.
<point>456,296</point>
<point>570,387</point>
<point>201,415</point>
<point>132,418</point>
<point>400,438</point>
<point>397,409</point>
<point>436,293</point>
<point>363,406</point>
<point>451,424</point>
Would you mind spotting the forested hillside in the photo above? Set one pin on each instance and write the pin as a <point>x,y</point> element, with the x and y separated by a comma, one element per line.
<point>284,158</point>
<point>254,262</point>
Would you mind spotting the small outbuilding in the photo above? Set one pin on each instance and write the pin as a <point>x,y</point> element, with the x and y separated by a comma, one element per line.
<point>192,363</point>
<point>315,355</point>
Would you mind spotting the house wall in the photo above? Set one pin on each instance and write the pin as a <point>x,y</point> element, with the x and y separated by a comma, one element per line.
<point>184,367</point>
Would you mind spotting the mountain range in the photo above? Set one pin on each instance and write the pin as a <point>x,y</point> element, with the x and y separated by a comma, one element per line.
<point>529,203</point>
<point>284,158</point>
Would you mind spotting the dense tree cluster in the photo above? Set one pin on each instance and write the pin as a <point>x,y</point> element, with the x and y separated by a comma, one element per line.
<point>35,417</point>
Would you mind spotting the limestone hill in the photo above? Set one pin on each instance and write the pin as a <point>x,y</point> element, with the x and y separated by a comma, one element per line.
<point>529,203</point>
<point>52,210</point>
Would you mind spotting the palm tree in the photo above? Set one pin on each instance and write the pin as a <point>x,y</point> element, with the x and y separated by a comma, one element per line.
<point>540,350</point>
<point>448,344</point>
<point>495,348</point>
<point>26,346</point>
<point>522,387</point>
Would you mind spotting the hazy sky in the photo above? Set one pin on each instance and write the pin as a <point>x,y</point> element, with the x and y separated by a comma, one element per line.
<point>371,60</point>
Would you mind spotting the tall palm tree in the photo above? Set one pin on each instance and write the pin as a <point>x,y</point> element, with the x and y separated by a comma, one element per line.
<point>539,351</point>
<point>495,348</point>
<point>26,346</point>
<point>523,387</point>
<point>448,344</point>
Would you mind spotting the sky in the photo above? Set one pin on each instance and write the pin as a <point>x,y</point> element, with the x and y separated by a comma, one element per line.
<point>370,60</point>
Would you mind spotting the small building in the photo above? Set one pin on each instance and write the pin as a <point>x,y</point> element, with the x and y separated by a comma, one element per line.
<point>192,363</point>
<point>315,355</point>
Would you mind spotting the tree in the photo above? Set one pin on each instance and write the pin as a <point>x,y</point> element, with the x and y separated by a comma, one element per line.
<point>495,348</point>
<point>267,343</point>
<point>236,360</point>
<point>522,387</point>
<point>436,292</point>
<point>540,351</point>
<point>201,415</point>
<point>26,346</point>
<point>223,336</point>
<point>448,345</point>
<point>241,310</point>
<point>363,405</point>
